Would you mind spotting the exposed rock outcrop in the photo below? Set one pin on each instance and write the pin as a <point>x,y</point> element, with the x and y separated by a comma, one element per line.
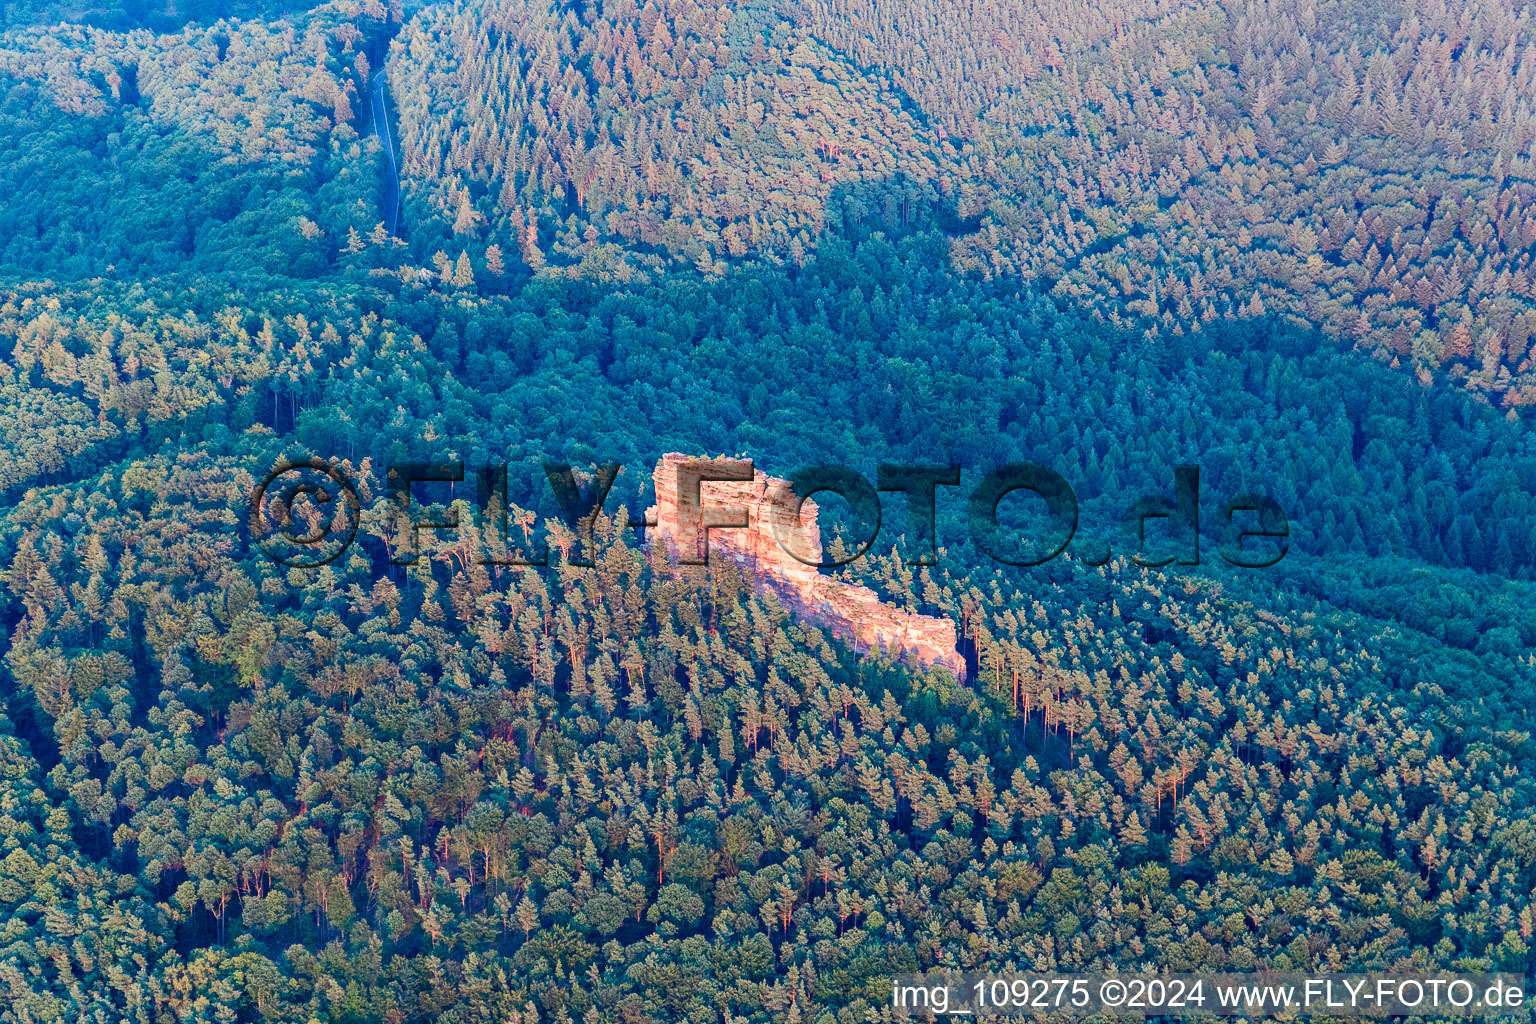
<point>750,519</point>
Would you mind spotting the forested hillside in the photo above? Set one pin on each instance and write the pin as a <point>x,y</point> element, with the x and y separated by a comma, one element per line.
<point>1288,243</point>
<point>603,791</point>
<point>213,149</point>
<point>159,15</point>
<point>1365,168</point>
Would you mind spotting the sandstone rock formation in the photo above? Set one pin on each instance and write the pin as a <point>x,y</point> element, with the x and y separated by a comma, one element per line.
<point>750,518</point>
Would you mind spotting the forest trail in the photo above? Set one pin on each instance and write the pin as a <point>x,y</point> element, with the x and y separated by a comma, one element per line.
<point>391,201</point>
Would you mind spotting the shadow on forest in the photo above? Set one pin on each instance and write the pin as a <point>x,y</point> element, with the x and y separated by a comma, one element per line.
<point>156,15</point>
<point>917,363</point>
<point>126,196</point>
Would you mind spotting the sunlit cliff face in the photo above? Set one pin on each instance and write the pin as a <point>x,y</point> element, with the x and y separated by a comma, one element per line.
<point>750,522</point>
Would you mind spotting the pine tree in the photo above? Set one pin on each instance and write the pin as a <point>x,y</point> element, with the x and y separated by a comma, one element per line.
<point>530,244</point>
<point>527,916</point>
<point>463,273</point>
<point>468,217</point>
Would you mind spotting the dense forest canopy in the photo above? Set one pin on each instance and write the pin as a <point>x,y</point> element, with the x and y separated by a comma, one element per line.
<point>159,15</point>
<point>1365,167</point>
<point>1287,242</point>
